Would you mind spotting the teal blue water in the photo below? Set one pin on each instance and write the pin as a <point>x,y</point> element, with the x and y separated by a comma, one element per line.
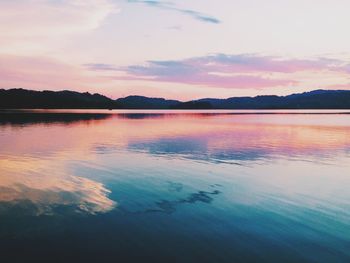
<point>112,186</point>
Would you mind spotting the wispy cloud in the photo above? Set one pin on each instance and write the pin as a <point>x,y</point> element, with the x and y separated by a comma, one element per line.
<point>227,71</point>
<point>171,6</point>
<point>36,26</point>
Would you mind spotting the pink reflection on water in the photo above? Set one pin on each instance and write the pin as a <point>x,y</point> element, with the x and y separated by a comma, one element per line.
<point>278,133</point>
<point>35,153</point>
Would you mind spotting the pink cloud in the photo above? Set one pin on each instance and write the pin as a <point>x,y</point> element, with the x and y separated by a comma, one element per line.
<point>226,71</point>
<point>219,81</point>
<point>245,63</point>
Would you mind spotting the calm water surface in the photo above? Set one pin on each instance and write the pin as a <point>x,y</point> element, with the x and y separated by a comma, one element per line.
<point>107,186</point>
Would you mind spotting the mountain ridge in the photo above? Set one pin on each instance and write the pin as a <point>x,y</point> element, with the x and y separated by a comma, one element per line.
<point>30,99</point>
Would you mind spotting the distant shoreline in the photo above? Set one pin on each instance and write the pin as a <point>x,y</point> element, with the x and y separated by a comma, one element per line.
<point>63,100</point>
<point>175,111</point>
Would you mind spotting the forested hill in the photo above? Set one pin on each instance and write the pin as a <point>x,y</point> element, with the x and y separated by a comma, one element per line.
<point>29,99</point>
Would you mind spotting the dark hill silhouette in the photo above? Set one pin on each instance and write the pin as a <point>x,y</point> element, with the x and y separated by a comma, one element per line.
<point>317,99</point>
<point>193,105</point>
<point>141,102</point>
<point>28,99</point>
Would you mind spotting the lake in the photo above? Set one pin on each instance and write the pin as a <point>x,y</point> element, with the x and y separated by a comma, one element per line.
<point>174,186</point>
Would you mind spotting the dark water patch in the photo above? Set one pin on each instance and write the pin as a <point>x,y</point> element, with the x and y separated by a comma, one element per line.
<point>29,118</point>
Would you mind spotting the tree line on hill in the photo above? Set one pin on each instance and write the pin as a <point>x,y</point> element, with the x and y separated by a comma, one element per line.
<point>30,99</point>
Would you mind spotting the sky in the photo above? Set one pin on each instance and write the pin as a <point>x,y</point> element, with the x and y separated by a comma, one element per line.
<point>178,49</point>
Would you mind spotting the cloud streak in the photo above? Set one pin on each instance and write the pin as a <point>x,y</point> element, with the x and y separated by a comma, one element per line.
<point>227,71</point>
<point>172,7</point>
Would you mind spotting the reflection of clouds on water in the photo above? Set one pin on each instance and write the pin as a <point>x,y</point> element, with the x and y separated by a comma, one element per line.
<point>174,187</point>
<point>48,187</point>
<point>179,145</point>
<point>169,207</point>
<point>247,143</point>
<point>220,138</point>
<point>196,148</point>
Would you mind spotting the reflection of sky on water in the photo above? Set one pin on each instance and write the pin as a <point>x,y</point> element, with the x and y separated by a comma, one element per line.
<point>45,183</point>
<point>35,156</point>
<point>197,149</point>
<point>250,142</point>
<point>152,182</point>
<point>212,138</point>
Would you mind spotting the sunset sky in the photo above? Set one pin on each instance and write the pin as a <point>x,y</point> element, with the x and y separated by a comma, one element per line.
<point>180,49</point>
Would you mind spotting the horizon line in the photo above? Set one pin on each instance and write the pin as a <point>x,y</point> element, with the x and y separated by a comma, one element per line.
<point>137,95</point>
